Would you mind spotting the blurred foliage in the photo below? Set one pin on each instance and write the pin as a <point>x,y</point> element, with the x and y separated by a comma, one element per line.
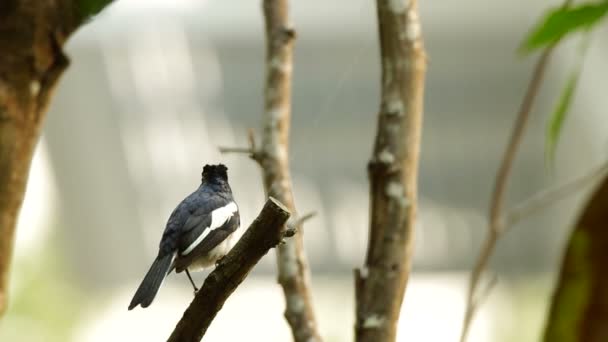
<point>525,296</point>
<point>46,304</point>
<point>563,21</point>
<point>553,27</point>
<point>573,296</point>
<point>556,121</point>
<point>579,309</point>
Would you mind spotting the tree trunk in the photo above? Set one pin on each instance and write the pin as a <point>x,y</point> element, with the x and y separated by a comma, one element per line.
<point>32,34</point>
<point>393,170</point>
<point>579,310</point>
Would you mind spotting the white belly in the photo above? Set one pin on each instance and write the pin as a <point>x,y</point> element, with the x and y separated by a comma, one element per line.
<point>215,254</point>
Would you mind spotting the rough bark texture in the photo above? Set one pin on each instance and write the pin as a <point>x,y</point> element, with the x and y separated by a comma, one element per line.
<point>393,170</point>
<point>32,33</point>
<point>265,232</point>
<point>294,274</point>
<point>579,310</point>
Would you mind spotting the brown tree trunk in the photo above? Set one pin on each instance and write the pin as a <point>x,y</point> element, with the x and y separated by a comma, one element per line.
<point>32,33</point>
<point>393,170</point>
<point>579,310</point>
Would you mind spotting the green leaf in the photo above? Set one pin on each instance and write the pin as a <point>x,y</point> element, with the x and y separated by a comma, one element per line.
<point>556,122</point>
<point>88,8</point>
<point>562,21</point>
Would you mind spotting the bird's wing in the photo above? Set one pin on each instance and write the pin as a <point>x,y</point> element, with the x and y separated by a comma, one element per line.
<point>209,242</point>
<point>189,219</point>
<point>213,215</point>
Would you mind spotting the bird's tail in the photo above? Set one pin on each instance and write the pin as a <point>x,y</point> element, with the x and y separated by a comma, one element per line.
<point>154,278</point>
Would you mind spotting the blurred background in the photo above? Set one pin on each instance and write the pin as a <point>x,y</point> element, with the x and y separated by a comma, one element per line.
<point>156,86</point>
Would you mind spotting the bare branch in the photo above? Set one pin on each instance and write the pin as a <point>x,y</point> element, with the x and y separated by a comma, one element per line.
<point>244,150</point>
<point>272,156</point>
<point>495,227</point>
<point>264,233</point>
<point>495,224</point>
<point>252,150</point>
<point>481,297</point>
<point>547,197</point>
<point>393,170</point>
<point>296,221</point>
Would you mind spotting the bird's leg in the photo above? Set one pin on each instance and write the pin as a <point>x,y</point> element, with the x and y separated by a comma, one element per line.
<point>192,282</point>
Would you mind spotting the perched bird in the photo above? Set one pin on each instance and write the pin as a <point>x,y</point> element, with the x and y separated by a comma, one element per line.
<point>200,231</point>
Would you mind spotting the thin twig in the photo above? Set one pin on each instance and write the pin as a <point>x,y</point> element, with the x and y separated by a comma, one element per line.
<point>251,138</point>
<point>495,227</point>
<point>252,150</point>
<point>485,293</point>
<point>294,222</point>
<point>547,197</point>
<point>244,150</point>
<point>302,219</point>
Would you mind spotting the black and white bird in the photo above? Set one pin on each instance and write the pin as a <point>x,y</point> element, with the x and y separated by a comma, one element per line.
<point>200,231</point>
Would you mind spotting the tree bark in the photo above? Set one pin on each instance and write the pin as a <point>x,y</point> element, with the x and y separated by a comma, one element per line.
<point>272,156</point>
<point>579,310</point>
<point>32,34</point>
<point>393,170</point>
<point>265,232</point>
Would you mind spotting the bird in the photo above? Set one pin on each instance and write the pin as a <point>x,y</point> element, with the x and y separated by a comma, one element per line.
<point>200,231</point>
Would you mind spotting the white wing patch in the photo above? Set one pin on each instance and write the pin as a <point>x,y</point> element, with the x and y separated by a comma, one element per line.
<point>218,217</point>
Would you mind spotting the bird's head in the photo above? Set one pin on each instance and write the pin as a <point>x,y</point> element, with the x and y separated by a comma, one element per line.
<point>215,173</point>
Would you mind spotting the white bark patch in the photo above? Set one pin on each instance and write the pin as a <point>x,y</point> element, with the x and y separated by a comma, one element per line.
<point>279,64</point>
<point>386,157</point>
<point>374,321</point>
<point>275,113</point>
<point>34,88</point>
<point>398,6</point>
<point>395,191</point>
<point>285,182</point>
<point>364,272</point>
<point>395,107</point>
<point>412,29</point>
<point>281,154</point>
